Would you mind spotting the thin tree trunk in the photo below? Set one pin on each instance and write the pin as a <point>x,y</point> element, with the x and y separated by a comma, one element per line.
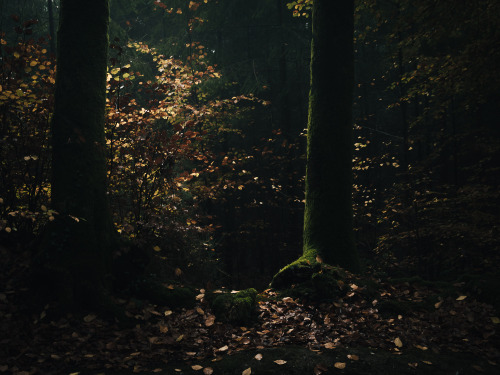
<point>51,28</point>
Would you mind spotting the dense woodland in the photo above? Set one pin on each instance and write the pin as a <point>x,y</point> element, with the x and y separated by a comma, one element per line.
<point>249,187</point>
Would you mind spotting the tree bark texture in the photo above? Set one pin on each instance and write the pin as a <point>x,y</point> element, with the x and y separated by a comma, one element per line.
<point>81,238</point>
<point>328,229</point>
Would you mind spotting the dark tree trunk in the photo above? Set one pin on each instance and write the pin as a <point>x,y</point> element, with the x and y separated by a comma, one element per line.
<point>328,233</point>
<point>52,33</point>
<point>78,245</point>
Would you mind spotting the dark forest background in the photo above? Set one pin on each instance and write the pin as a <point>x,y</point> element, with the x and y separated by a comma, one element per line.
<point>206,117</point>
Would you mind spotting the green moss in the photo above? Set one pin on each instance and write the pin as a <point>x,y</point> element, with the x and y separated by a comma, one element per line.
<point>238,308</point>
<point>296,272</point>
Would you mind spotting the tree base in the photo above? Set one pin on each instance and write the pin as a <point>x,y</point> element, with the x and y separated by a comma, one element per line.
<point>306,278</point>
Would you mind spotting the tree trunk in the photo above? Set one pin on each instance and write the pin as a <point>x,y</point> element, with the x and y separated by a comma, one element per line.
<point>78,245</point>
<point>328,234</point>
<point>51,27</point>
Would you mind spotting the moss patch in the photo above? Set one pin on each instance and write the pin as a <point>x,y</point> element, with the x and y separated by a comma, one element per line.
<point>237,308</point>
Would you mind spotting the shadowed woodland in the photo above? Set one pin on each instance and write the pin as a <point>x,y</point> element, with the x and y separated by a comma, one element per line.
<point>249,187</point>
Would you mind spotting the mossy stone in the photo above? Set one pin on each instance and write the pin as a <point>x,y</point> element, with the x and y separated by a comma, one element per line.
<point>237,308</point>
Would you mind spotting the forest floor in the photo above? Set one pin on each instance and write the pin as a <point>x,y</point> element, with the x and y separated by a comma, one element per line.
<point>381,327</point>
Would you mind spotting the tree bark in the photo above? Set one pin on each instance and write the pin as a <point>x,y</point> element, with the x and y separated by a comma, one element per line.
<point>328,233</point>
<point>78,245</point>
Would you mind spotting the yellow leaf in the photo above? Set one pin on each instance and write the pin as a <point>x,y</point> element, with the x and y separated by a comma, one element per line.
<point>339,365</point>
<point>248,371</point>
<point>17,55</point>
<point>126,75</point>
<point>438,304</point>
<point>178,272</point>
<point>398,342</point>
<point>427,362</point>
<point>223,349</point>
<point>179,339</point>
<point>157,248</point>
<point>196,367</point>
<point>168,313</point>
<point>461,298</point>
<point>33,63</point>
<point>280,362</point>
<point>258,357</point>
<point>495,320</point>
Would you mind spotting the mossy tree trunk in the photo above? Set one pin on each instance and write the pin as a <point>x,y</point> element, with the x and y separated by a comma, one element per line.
<point>328,233</point>
<point>78,245</point>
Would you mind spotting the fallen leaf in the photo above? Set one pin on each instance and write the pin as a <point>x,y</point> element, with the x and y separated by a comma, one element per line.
<point>89,318</point>
<point>163,329</point>
<point>438,304</point>
<point>461,298</point>
<point>339,365</point>
<point>398,342</point>
<point>157,248</point>
<point>196,367</point>
<point>248,371</point>
<point>478,368</point>
<point>427,362</point>
<point>495,320</point>
<point>280,362</point>
<point>208,370</point>
<point>421,347</point>
<point>223,349</point>
<point>168,313</point>
<point>330,345</point>
<point>200,311</point>
<point>319,369</point>
<point>210,321</point>
<point>179,338</point>
<point>353,357</point>
<point>258,357</point>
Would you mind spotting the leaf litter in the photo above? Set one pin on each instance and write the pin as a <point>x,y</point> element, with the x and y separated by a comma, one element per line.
<point>165,335</point>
